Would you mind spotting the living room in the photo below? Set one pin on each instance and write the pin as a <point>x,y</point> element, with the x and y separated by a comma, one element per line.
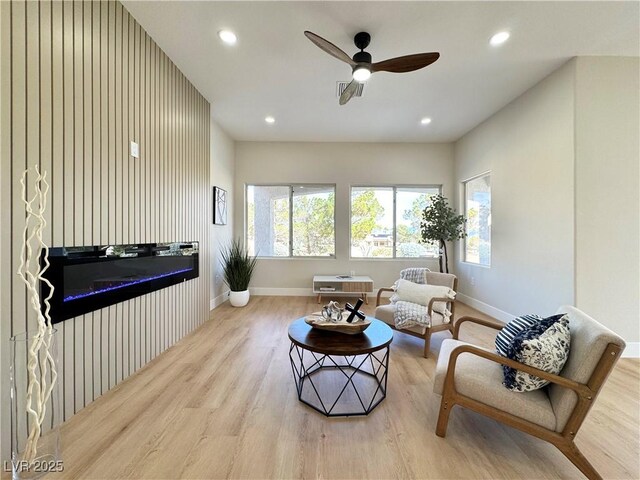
<point>164,130</point>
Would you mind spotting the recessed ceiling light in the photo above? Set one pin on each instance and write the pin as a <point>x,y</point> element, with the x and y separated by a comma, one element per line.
<point>499,38</point>
<point>269,119</point>
<point>228,37</point>
<point>425,121</point>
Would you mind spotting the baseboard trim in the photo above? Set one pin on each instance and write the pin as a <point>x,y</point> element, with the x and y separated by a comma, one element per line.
<point>299,292</point>
<point>485,308</point>
<point>632,350</point>
<point>281,292</point>
<point>219,300</point>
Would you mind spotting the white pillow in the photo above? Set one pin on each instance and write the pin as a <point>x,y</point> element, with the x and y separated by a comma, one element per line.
<point>422,294</point>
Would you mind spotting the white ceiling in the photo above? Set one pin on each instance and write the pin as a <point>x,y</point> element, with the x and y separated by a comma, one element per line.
<point>275,70</point>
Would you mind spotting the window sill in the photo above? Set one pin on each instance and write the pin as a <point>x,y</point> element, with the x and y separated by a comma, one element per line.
<point>390,259</point>
<point>332,257</point>
<point>471,264</point>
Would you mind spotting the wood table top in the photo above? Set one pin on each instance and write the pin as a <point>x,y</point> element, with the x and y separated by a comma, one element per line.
<point>374,338</point>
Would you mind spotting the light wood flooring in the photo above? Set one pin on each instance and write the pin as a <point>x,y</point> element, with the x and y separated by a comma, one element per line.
<point>222,404</point>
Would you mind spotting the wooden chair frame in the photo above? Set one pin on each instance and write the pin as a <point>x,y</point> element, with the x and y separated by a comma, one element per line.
<point>426,336</point>
<point>563,441</point>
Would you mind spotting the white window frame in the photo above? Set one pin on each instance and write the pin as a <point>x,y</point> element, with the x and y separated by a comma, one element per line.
<point>464,206</point>
<point>290,186</point>
<point>395,188</point>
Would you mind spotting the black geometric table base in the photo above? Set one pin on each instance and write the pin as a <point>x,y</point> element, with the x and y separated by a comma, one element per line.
<point>340,385</point>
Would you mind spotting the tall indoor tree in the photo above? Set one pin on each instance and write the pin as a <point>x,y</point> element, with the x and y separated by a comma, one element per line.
<point>440,223</point>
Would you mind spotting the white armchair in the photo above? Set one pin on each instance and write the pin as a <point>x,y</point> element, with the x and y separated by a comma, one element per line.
<point>386,313</point>
<point>471,377</point>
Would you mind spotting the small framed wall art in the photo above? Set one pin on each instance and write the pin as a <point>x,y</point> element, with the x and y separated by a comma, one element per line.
<point>219,206</point>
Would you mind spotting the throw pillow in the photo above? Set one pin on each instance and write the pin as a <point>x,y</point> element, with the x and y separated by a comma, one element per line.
<point>544,345</point>
<point>407,291</point>
<point>407,314</point>
<point>415,274</point>
<point>513,328</point>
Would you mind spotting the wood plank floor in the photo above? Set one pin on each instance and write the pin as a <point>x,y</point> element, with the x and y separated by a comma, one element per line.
<point>222,404</point>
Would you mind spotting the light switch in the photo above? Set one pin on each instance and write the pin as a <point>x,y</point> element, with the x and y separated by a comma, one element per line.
<point>135,150</point>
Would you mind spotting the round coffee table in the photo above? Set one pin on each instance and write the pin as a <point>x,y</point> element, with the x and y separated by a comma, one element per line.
<point>338,374</point>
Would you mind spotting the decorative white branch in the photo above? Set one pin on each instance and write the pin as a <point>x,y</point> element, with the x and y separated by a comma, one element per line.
<point>30,271</point>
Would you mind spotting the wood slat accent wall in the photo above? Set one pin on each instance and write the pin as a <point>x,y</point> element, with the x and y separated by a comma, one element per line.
<point>79,81</point>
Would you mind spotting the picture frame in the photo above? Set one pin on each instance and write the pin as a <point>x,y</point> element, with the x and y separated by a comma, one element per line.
<point>219,206</point>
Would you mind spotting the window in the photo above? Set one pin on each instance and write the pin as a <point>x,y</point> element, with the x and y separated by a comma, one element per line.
<point>268,220</point>
<point>291,220</point>
<point>477,206</point>
<point>385,222</point>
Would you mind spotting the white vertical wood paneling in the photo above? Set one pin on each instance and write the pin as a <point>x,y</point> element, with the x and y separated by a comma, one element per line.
<point>87,183</point>
<point>79,81</point>
<point>6,102</point>
<point>78,186</point>
<point>68,208</point>
<point>6,107</point>
<point>45,91</point>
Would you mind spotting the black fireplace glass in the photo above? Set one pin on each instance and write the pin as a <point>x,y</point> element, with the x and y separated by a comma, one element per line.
<point>89,278</point>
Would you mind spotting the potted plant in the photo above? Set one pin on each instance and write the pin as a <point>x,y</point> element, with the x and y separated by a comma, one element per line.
<point>238,267</point>
<point>441,224</point>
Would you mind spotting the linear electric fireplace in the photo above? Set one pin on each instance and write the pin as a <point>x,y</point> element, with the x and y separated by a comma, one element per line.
<point>90,278</point>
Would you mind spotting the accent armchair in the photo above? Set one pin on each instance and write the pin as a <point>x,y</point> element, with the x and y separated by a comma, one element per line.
<point>471,377</point>
<point>386,313</point>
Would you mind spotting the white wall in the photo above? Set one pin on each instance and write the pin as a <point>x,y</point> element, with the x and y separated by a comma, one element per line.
<point>607,192</point>
<point>565,196</point>
<point>343,164</point>
<point>528,147</point>
<point>222,172</point>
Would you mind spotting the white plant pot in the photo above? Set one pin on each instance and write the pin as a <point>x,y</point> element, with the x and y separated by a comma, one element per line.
<point>239,299</point>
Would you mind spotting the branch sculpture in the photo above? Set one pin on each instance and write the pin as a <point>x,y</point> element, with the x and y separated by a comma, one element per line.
<point>31,272</point>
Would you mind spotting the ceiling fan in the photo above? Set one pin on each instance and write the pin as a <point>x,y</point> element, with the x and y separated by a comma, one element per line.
<point>361,62</point>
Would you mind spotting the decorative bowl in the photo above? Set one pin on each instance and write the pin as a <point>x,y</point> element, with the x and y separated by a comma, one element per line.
<point>316,320</point>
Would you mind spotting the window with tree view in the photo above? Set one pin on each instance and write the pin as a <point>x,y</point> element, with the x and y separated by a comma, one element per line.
<point>291,220</point>
<point>385,222</point>
<point>477,194</point>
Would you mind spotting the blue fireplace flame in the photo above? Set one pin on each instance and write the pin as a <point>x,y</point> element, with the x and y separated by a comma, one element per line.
<point>70,298</point>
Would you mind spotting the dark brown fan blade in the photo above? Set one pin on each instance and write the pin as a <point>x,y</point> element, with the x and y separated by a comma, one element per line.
<point>408,63</point>
<point>348,92</point>
<point>330,48</point>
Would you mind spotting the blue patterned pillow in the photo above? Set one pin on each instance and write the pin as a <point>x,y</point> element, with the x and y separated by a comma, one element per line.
<point>513,328</point>
<point>543,345</point>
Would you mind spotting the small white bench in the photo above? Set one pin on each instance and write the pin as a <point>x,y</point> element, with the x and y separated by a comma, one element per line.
<point>341,285</point>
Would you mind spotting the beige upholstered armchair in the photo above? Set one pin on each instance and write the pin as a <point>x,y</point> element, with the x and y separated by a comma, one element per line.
<point>471,377</point>
<point>386,313</point>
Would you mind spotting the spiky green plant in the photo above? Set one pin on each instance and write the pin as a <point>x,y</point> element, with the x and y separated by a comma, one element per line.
<point>237,266</point>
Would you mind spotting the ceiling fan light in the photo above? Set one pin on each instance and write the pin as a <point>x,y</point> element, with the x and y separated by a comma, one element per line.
<point>361,74</point>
